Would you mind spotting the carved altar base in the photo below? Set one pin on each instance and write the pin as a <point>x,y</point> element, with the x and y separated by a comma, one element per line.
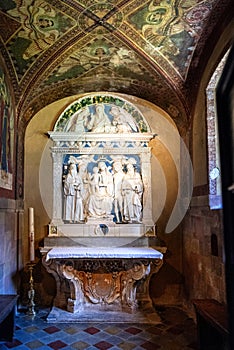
<point>93,282</point>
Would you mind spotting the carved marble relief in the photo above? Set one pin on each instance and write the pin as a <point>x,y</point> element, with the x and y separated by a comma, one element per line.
<point>101,163</point>
<point>101,113</point>
<point>102,186</point>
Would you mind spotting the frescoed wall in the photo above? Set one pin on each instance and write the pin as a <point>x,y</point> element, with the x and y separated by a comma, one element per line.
<point>9,233</point>
<point>7,135</point>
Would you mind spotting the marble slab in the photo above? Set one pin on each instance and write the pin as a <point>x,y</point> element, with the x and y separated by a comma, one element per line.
<point>103,253</point>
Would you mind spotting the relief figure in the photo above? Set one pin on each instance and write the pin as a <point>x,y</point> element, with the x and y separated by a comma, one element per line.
<point>118,196</point>
<point>122,121</point>
<point>98,121</point>
<point>132,189</point>
<point>76,123</point>
<point>101,196</point>
<point>98,192</point>
<point>73,203</point>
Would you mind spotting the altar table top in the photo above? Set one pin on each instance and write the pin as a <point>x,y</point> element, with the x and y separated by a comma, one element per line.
<point>103,253</point>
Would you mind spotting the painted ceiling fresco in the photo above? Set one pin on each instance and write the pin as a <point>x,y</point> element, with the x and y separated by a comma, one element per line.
<point>54,48</point>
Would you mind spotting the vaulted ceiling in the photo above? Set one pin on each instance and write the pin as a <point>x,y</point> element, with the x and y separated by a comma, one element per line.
<point>154,49</point>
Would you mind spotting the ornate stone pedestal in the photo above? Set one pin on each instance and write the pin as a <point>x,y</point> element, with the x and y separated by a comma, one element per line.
<point>92,281</point>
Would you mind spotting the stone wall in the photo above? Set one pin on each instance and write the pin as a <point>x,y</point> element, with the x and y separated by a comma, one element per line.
<point>203,256</point>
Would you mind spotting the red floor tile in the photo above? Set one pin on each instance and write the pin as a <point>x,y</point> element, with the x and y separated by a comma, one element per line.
<point>103,345</point>
<point>91,330</point>
<point>133,330</point>
<point>51,329</point>
<point>57,345</point>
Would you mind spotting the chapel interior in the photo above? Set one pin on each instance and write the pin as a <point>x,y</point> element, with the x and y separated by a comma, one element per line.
<point>156,64</point>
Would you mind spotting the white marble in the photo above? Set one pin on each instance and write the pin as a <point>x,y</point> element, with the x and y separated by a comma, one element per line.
<point>108,148</point>
<point>104,252</point>
<point>91,228</point>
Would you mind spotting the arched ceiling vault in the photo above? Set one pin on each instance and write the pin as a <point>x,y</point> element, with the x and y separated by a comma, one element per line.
<point>53,49</point>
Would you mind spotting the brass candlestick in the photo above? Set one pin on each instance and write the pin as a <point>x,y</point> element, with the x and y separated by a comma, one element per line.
<point>31,292</point>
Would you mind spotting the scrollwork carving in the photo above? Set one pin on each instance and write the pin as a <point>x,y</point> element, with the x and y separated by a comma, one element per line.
<point>115,284</point>
<point>102,284</point>
<point>129,285</point>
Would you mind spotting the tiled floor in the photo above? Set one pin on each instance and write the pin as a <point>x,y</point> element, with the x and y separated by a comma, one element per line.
<point>176,332</point>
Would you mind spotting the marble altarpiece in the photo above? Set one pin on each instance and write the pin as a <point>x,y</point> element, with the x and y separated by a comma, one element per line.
<point>102,207</point>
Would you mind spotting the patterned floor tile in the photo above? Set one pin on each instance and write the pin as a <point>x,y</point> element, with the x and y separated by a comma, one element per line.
<point>127,346</point>
<point>51,329</point>
<point>71,330</point>
<point>103,345</point>
<point>176,332</point>
<point>113,339</point>
<point>150,346</point>
<point>112,330</point>
<point>34,344</point>
<point>91,330</point>
<point>58,344</point>
<point>23,336</point>
<point>137,340</point>
<point>80,345</point>
<point>13,344</point>
<point>31,329</point>
<point>133,330</point>
<point>124,335</point>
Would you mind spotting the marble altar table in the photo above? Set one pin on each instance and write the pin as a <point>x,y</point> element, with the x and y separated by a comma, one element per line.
<point>91,281</point>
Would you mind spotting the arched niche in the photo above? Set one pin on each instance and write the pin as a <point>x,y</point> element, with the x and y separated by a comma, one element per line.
<point>166,174</point>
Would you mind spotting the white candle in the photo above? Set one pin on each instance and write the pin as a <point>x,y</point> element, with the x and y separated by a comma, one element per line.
<point>31,234</point>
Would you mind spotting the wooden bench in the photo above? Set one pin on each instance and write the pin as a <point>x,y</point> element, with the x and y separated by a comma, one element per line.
<point>7,316</point>
<point>212,324</point>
